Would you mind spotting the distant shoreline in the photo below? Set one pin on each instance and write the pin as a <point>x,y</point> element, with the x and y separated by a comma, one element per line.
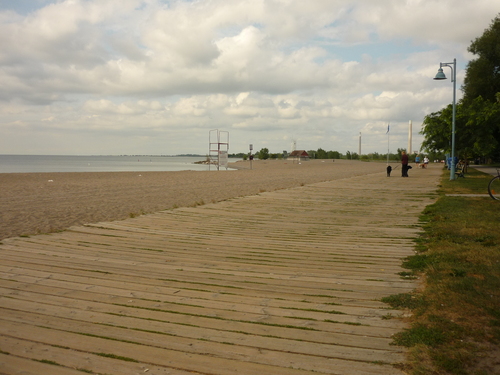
<point>118,155</point>
<point>72,163</point>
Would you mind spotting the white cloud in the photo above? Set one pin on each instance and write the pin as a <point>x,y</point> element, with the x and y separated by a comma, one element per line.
<point>166,72</point>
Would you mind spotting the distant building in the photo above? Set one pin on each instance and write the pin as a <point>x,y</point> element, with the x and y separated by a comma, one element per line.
<point>298,155</point>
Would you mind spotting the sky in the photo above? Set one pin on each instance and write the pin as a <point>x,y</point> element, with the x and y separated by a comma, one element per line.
<point>160,77</point>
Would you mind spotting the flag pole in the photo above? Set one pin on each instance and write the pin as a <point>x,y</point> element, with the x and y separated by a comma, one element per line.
<point>388,143</point>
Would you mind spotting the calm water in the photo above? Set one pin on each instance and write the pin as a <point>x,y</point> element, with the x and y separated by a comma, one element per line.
<point>60,163</point>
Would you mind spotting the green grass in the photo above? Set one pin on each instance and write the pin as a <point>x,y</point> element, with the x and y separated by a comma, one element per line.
<point>348,323</point>
<point>455,325</point>
<point>47,361</point>
<point>404,301</point>
<point>119,357</point>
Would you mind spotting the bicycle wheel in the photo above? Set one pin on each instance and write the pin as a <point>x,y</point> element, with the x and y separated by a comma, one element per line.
<point>494,188</point>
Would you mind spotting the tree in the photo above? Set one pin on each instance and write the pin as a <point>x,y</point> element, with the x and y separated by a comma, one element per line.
<point>334,155</point>
<point>437,131</point>
<point>483,74</point>
<point>478,113</point>
<point>481,128</point>
<point>263,154</point>
<point>477,127</point>
<point>321,154</point>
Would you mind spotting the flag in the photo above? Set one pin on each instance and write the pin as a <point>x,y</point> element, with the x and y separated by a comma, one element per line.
<point>387,129</point>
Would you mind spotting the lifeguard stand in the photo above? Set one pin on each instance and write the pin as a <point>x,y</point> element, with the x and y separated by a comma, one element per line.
<point>218,148</point>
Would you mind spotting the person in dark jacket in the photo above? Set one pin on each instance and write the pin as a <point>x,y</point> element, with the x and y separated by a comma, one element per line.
<point>404,164</point>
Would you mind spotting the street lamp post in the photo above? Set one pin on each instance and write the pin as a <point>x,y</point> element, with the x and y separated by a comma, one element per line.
<point>440,76</point>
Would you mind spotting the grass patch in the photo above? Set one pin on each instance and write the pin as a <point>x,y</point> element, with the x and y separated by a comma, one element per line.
<point>404,301</point>
<point>387,317</point>
<point>348,323</point>
<point>431,335</point>
<point>114,356</point>
<point>47,361</point>
<point>455,323</point>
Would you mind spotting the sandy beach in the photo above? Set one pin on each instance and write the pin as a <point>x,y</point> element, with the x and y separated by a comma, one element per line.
<point>33,203</point>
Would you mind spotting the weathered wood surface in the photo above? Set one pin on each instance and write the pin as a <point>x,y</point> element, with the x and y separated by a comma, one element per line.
<point>287,282</point>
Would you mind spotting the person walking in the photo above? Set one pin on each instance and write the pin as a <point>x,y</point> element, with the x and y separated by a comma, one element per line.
<point>426,161</point>
<point>404,164</point>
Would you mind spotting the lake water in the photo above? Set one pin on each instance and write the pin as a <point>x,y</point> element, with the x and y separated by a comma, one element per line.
<point>61,163</point>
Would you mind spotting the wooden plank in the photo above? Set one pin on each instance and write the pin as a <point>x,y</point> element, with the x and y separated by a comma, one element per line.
<point>287,282</point>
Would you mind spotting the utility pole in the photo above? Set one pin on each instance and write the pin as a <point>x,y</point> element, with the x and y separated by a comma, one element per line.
<point>409,139</point>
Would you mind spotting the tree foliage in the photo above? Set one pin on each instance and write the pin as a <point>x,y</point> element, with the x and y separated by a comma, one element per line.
<point>321,154</point>
<point>477,122</point>
<point>263,154</point>
<point>483,73</point>
<point>481,127</point>
<point>477,128</point>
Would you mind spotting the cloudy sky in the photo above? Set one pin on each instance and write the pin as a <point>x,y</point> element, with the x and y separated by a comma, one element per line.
<point>101,77</point>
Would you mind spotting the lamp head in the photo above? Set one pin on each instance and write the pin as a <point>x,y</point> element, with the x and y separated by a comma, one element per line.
<point>440,75</point>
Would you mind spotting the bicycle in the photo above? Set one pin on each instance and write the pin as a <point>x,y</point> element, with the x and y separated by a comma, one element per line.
<point>494,186</point>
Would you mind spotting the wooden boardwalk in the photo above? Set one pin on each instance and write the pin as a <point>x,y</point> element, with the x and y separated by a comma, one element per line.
<point>287,282</point>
